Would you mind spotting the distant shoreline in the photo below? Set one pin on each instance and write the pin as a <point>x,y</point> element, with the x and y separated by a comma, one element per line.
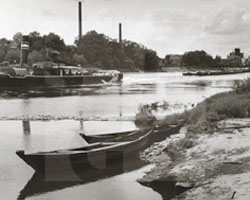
<point>190,71</point>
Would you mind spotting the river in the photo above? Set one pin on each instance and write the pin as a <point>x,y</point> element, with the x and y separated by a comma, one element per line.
<point>92,109</point>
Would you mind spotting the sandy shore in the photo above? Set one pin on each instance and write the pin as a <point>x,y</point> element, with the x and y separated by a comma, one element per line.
<point>216,167</point>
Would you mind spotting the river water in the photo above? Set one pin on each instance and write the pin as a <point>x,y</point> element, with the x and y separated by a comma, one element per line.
<point>88,109</point>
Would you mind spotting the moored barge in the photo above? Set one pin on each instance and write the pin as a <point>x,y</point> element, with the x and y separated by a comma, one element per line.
<point>55,76</point>
<point>49,74</point>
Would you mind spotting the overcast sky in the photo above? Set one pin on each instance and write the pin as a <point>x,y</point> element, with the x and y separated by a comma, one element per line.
<point>167,26</point>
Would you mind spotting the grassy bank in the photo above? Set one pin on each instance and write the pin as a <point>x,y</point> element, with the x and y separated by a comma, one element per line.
<point>213,148</point>
<point>204,117</point>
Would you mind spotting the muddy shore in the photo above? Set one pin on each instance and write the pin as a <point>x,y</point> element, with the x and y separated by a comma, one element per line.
<point>217,166</point>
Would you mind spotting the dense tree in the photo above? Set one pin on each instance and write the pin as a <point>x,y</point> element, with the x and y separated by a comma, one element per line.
<point>151,61</point>
<point>4,42</point>
<point>17,38</point>
<point>38,56</point>
<point>101,51</point>
<point>4,46</point>
<point>217,60</point>
<point>2,54</point>
<point>136,53</point>
<point>54,41</point>
<point>36,41</point>
<point>79,60</point>
<point>94,50</point>
<point>197,59</point>
<point>167,60</point>
<point>13,56</point>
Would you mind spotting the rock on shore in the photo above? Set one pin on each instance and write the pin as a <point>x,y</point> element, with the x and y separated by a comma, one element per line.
<point>216,167</point>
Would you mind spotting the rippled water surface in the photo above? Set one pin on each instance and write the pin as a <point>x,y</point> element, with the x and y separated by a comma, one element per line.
<point>95,104</point>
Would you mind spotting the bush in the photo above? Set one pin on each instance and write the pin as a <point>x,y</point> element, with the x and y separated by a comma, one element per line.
<point>242,86</point>
<point>144,120</point>
<point>144,117</point>
<point>229,105</point>
<point>173,119</point>
<point>204,117</point>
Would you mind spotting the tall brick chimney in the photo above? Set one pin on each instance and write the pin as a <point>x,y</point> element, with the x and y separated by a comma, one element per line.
<point>24,50</point>
<point>80,19</point>
<point>120,33</point>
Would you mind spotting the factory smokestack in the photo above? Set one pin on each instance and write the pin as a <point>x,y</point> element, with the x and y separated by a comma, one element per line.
<point>120,33</point>
<point>80,19</point>
<point>24,50</point>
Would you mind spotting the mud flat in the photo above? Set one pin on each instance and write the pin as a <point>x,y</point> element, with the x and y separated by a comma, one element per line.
<point>216,166</point>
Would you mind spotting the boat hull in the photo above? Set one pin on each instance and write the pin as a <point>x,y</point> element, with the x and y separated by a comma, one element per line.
<point>163,133</point>
<point>159,134</point>
<point>52,81</point>
<point>101,158</point>
<point>104,137</point>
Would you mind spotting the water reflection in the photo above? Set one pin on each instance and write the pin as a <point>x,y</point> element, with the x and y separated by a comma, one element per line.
<point>133,83</point>
<point>81,125</point>
<point>111,101</point>
<point>39,183</point>
<point>26,127</point>
<point>47,92</point>
<point>77,91</point>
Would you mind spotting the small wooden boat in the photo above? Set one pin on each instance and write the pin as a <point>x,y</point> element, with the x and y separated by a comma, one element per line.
<point>159,133</point>
<point>97,155</point>
<point>106,137</point>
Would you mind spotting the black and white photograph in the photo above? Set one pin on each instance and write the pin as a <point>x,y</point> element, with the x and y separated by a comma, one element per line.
<point>124,99</point>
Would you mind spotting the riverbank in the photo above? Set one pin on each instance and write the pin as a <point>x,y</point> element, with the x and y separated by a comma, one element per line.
<point>210,157</point>
<point>213,72</point>
<point>214,168</point>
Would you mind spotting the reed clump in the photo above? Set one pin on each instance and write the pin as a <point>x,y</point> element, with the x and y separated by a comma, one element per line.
<point>242,86</point>
<point>145,117</point>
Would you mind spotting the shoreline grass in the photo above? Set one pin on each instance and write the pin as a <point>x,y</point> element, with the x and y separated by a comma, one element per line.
<point>201,135</point>
<point>204,117</point>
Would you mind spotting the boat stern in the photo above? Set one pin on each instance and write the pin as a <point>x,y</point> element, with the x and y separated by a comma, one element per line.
<point>25,158</point>
<point>20,153</point>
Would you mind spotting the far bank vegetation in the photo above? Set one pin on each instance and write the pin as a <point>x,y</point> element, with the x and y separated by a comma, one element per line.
<point>93,50</point>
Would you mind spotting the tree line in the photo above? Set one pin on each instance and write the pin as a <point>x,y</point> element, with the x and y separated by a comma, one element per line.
<point>93,50</point>
<point>98,50</point>
<point>201,59</point>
